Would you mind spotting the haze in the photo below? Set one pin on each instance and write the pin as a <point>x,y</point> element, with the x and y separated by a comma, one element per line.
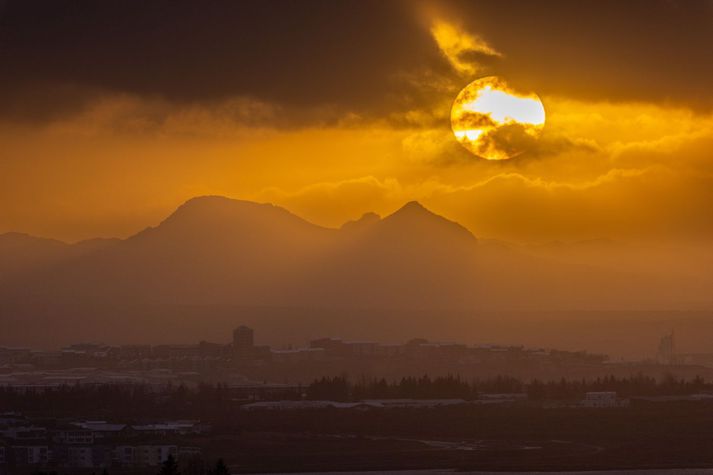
<point>114,117</point>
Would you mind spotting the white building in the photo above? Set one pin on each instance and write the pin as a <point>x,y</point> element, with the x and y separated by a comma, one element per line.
<point>501,398</point>
<point>31,454</point>
<point>412,403</point>
<point>143,455</point>
<point>295,405</point>
<point>101,429</point>
<point>170,427</point>
<point>362,348</point>
<point>155,455</point>
<point>603,399</point>
<point>74,437</point>
<point>124,455</point>
<point>80,456</point>
<point>365,404</point>
<point>25,433</point>
<point>298,355</point>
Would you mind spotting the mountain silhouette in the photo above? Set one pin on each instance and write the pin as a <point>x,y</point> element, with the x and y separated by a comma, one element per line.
<point>218,250</point>
<point>215,252</point>
<point>22,254</point>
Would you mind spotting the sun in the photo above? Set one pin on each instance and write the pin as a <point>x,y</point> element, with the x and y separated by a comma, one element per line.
<point>495,122</point>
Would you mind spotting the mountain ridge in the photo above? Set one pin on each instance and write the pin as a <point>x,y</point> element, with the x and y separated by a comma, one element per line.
<point>215,204</point>
<point>215,251</point>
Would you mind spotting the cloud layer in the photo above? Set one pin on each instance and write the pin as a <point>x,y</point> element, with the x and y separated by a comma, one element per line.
<point>113,114</point>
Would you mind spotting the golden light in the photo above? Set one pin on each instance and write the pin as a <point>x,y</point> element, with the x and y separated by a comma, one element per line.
<point>495,122</point>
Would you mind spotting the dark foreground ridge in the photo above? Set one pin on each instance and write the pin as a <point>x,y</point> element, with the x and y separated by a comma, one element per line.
<point>555,425</point>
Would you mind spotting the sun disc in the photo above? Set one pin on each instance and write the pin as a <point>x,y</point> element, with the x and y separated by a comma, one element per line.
<point>494,121</point>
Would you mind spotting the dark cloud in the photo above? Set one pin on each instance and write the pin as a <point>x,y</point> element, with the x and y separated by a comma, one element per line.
<point>509,140</point>
<point>295,53</point>
<point>648,50</point>
<point>57,55</point>
<point>473,120</point>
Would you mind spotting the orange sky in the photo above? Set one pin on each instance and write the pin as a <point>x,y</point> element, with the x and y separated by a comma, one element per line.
<point>630,163</point>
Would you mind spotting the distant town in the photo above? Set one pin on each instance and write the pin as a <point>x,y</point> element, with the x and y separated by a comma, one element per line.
<point>242,363</point>
<point>131,408</point>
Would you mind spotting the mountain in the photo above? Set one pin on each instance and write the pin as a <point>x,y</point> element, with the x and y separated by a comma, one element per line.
<point>217,250</point>
<point>215,261</point>
<point>412,258</point>
<point>22,254</point>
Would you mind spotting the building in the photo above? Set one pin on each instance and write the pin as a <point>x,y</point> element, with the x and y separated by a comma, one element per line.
<point>187,453</point>
<point>298,355</point>
<point>360,405</point>
<point>362,348</point>
<point>124,456</point>
<point>80,456</point>
<point>667,349</point>
<point>243,341</point>
<point>298,405</point>
<point>603,399</point>
<point>24,433</point>
<point>74,436</point>
<point>134,456</point>
<point>334,347</point>
<point>14,355</point>
<point>31,454</point>
<point>501,398</point>
<point>154,455</point>
<point>170,428</point>
<point>412,403</point>
<point>102,429</point>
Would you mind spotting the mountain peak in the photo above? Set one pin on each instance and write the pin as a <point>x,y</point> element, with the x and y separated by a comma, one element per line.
<point>215,202</point>
<point>219,217</point>
<point>366,220</point>
<point>416,216</point>
<point>416,210</point>
<point>413,206</point>
<point>214,208</point>
<point>13,237</point>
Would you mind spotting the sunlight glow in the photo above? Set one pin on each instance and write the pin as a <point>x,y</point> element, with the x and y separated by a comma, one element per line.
<point>456,45</point>
<point>495,122</point>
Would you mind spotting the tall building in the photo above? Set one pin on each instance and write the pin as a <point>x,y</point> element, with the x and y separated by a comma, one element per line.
<point>667,349</point>
<point>243,341</point>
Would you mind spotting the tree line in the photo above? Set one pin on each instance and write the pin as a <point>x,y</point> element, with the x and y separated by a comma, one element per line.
<point>341,388</point>
<point>214,401</point>
<point>170,466</point>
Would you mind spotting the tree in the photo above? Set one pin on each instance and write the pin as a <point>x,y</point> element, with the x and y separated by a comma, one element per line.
<point>220,468</point>
<point>169,467</point>
<point>194,465</point>
<point>334,389</point>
